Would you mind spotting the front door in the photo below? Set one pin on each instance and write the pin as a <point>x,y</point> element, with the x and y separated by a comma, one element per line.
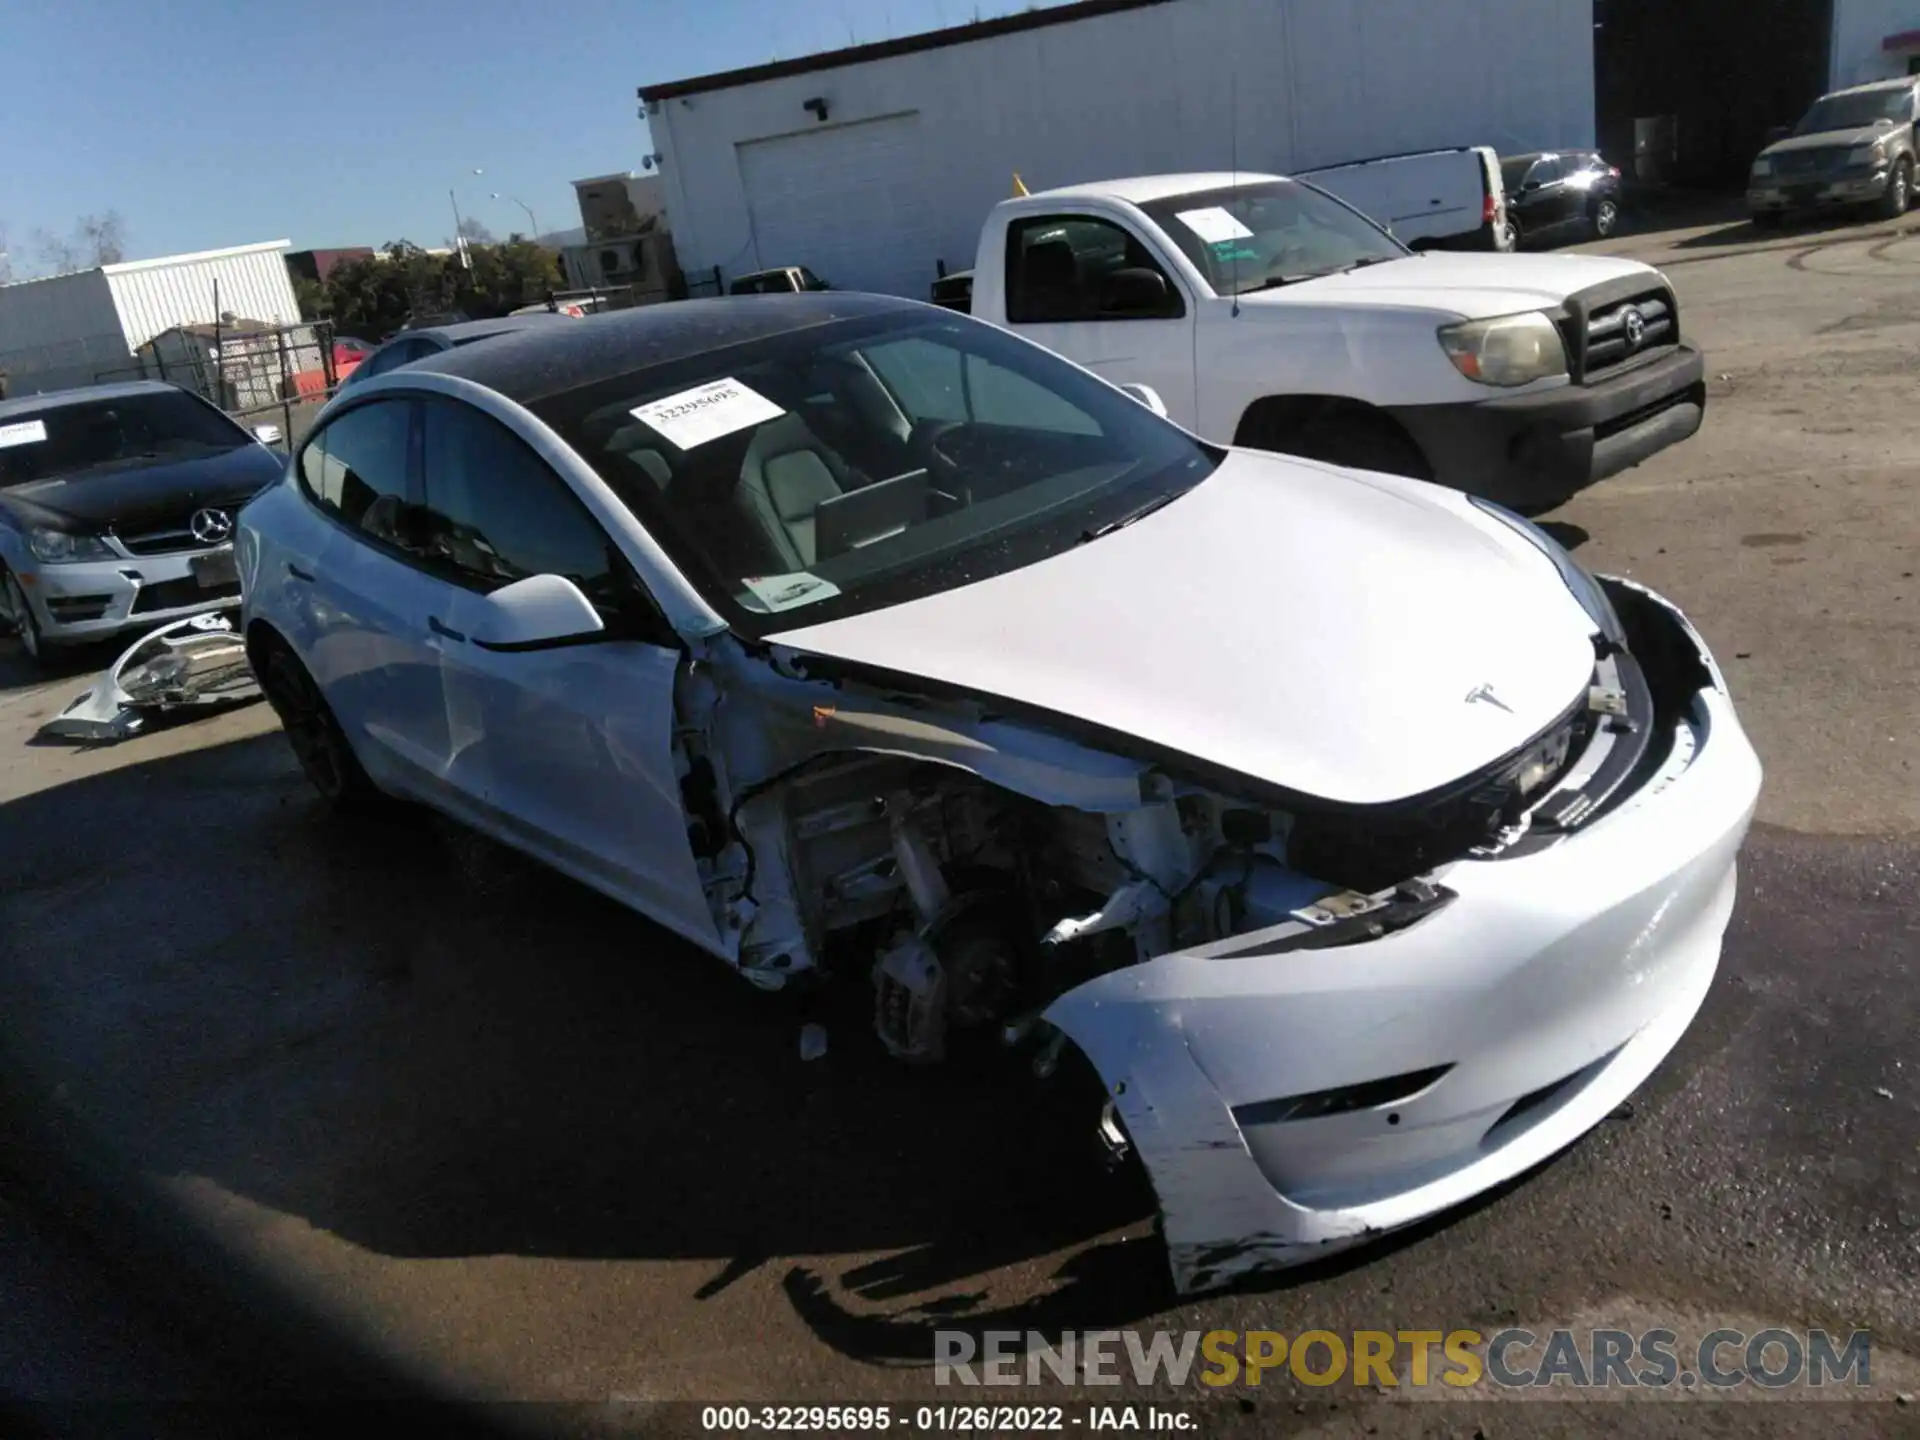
<point>1093,291</point>
<point>565,751</point>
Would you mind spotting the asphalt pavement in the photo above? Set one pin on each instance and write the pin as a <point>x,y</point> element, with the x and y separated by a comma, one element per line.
<point>293,1103</point>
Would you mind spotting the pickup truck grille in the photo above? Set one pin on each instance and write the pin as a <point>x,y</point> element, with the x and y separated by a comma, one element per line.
<point>1607,329</point>
<point>1810,162</point>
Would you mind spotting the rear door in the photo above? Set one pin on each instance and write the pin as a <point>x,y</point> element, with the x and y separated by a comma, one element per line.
<point>357,598</point>
<point>566,751</point>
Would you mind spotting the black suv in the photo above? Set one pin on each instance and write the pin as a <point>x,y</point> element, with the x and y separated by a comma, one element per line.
<point>1560,195</point>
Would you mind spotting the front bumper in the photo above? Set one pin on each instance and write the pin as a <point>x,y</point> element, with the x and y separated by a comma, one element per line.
<point>98,599</point>
<point>1543,995</point>
<point>1775,197</point>
<point>1531,451</point>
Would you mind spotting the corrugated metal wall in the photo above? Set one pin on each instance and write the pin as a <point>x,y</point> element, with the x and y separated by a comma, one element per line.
<point>157,295</point>
<point>1188,85</point>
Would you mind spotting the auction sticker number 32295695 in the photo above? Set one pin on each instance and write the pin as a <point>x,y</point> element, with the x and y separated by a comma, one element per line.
<point>851,1418</point>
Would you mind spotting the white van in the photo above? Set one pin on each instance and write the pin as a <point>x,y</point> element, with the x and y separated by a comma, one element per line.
<point>1430,199</point>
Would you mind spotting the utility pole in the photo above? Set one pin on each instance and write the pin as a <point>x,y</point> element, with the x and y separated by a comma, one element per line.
<point>459,235</point>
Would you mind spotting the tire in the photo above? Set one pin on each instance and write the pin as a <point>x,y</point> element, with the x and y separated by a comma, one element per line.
<point>1359,444</point>
<point>24,625</point>
<point>1516,237</point>
<point>1899,194</point>
<point>1606,219</point>
<point>318,742</point>
<point>1504,237</point>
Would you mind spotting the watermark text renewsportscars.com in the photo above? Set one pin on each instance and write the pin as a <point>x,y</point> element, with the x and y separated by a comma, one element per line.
<point>1509,1359</point>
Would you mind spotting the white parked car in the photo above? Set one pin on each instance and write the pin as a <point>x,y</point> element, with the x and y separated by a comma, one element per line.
<point>1266,313</point>
<point>1367,847</point>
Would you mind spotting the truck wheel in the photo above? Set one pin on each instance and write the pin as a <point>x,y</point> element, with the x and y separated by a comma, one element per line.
<point>1893,204</point>
<point>1359,444</point>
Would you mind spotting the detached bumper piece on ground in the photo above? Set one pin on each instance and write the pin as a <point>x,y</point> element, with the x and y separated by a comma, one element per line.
<point>193,665</point>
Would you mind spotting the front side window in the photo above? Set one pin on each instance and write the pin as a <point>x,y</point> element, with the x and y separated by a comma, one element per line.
<point>1079,268</point>
<point>358,469</point>
<point>95,436</point>
<point>495,512</point>
<point>866,462</point>
<point>1277,232</point>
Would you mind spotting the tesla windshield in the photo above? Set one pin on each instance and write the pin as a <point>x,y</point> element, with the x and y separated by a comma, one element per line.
<point>66,440</point>
<point>861,463</point>
<point>1254,237</point>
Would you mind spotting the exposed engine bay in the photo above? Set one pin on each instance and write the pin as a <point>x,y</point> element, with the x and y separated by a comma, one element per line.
<point>977,868</point>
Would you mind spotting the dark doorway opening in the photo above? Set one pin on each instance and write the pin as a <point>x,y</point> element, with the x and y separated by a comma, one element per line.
<point>1685,91</point>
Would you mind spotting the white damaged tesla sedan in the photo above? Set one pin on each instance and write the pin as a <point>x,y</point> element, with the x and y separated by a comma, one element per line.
<point>1367,848</point>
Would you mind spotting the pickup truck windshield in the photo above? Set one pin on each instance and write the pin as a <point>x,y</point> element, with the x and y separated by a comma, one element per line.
<point>71,440</point>
<point>1851,112</point>
<point>1255,237</point>
<point>861,463</point>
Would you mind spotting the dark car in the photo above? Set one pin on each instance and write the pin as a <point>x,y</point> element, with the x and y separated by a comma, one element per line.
<point>1855,147</point>
<point>1561,195</point>
<point>116,509</point>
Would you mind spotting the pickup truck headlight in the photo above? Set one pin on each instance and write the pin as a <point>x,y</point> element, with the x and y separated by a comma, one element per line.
<point>56,547</point>
<point>1763,167</point>
<point>1509,350</point>
<point>1861,156</point>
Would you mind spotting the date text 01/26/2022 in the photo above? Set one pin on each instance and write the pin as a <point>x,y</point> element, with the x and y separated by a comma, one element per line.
<point>955,1419</point>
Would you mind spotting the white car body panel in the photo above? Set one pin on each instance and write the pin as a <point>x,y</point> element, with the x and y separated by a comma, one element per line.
<point>1581,964</point>
<point>1302,565</point>
<point>1366,336</point>
<point>1426,195</point>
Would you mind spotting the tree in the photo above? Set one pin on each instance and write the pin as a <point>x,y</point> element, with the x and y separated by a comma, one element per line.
<point>95,240</point>
<point>374,298</point>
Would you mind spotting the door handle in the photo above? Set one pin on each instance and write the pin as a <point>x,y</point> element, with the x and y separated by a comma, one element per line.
<point>435,624</point>
<point>298,574</point>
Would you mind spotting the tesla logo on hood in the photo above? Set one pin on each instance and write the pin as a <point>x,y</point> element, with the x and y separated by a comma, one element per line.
<point>1485,693</point>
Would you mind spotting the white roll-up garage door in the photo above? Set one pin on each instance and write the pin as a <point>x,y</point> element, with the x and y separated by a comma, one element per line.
<point>847,201</point>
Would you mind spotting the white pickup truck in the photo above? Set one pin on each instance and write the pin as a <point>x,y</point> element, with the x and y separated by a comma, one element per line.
<point>1260,311</point>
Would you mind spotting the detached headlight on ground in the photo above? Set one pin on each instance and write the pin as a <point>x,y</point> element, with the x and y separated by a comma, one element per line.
<point>1509,350</point>
<point>56,547</point>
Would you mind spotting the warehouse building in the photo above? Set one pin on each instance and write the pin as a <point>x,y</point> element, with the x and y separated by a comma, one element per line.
<point>69,330</point>
<point>874,165</point>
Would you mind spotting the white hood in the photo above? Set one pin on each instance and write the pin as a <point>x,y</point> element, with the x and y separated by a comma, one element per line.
<point>1472,286</point>
<point>1313,628</point>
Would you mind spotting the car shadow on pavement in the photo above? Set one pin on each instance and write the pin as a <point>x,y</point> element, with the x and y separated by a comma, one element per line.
<point>1745,232</point>
<point>427,1046</point>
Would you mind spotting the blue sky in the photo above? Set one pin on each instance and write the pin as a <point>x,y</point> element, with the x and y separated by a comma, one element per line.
<point>344,122</point>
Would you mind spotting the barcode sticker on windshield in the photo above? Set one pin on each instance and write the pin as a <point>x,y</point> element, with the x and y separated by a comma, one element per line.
<point>784,592</point>
<point>22,432</point>
<point>1214,225</point>
<point>693,417</point>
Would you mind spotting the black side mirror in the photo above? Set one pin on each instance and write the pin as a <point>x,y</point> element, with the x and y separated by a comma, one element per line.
<point>1137,291</point>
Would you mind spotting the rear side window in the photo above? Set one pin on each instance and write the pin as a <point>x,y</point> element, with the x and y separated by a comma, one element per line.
<point>357,469</point>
